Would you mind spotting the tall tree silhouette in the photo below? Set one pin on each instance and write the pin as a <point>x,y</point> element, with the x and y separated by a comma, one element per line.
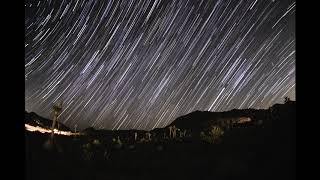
<point>56,112</point>
<point>286,99</point>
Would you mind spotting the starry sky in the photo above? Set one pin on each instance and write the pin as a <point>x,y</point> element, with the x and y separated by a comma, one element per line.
<point>139,64</point>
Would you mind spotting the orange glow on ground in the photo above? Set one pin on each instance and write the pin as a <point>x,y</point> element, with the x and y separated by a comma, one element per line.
<point>44,130</point>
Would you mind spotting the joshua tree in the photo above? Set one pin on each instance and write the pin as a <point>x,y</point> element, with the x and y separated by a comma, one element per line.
<point>170,131</point>
<point>184,133</point>
<point>118,143</point>
<point>51,141</point>
<point>174,133</point>
<point>286,99</point>
<point>181,134</point>
<point>56,112</point>
<point>148,136</point>
<point>135,136</point>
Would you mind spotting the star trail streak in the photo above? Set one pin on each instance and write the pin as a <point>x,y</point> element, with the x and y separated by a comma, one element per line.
<point>139,64</point>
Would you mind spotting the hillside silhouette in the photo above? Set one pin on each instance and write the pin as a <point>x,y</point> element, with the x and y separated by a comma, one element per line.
<point>35,120</point>
<point>261,148</point>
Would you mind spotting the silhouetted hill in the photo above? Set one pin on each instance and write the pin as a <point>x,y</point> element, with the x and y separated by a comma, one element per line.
<point>198,119</point>
<point>35,120</point>
<point>253,151</point>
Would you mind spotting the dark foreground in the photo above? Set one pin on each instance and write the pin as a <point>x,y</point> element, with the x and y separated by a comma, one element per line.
<point>266,152</point>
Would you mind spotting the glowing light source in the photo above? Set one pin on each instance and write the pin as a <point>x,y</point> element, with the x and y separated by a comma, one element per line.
<point>244,120</point>
<point>44,130</point>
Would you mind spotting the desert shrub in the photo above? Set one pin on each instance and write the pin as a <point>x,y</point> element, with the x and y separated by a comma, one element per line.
<point>213,135</point>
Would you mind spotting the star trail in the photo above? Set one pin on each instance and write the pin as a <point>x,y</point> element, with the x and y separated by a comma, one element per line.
<point>139,64</point>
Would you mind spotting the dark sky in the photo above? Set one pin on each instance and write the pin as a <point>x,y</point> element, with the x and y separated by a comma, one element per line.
<point>139,64</point>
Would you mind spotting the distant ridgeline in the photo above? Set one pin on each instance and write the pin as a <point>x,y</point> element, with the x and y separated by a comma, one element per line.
<point>199,124</point>
<point>210,126</point>
<point>204,123</point>
<point>200,119</point>
<point>34,119</point>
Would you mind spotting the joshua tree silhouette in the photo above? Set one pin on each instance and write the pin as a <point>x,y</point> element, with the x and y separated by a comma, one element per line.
<point>56,112</point>
<point>286,99</point>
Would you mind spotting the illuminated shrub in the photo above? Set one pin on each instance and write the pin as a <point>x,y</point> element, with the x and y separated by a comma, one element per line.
<point>214,135</point>
<point>96,142</point>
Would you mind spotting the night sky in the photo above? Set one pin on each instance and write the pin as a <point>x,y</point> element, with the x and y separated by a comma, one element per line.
<point>139,64</point>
